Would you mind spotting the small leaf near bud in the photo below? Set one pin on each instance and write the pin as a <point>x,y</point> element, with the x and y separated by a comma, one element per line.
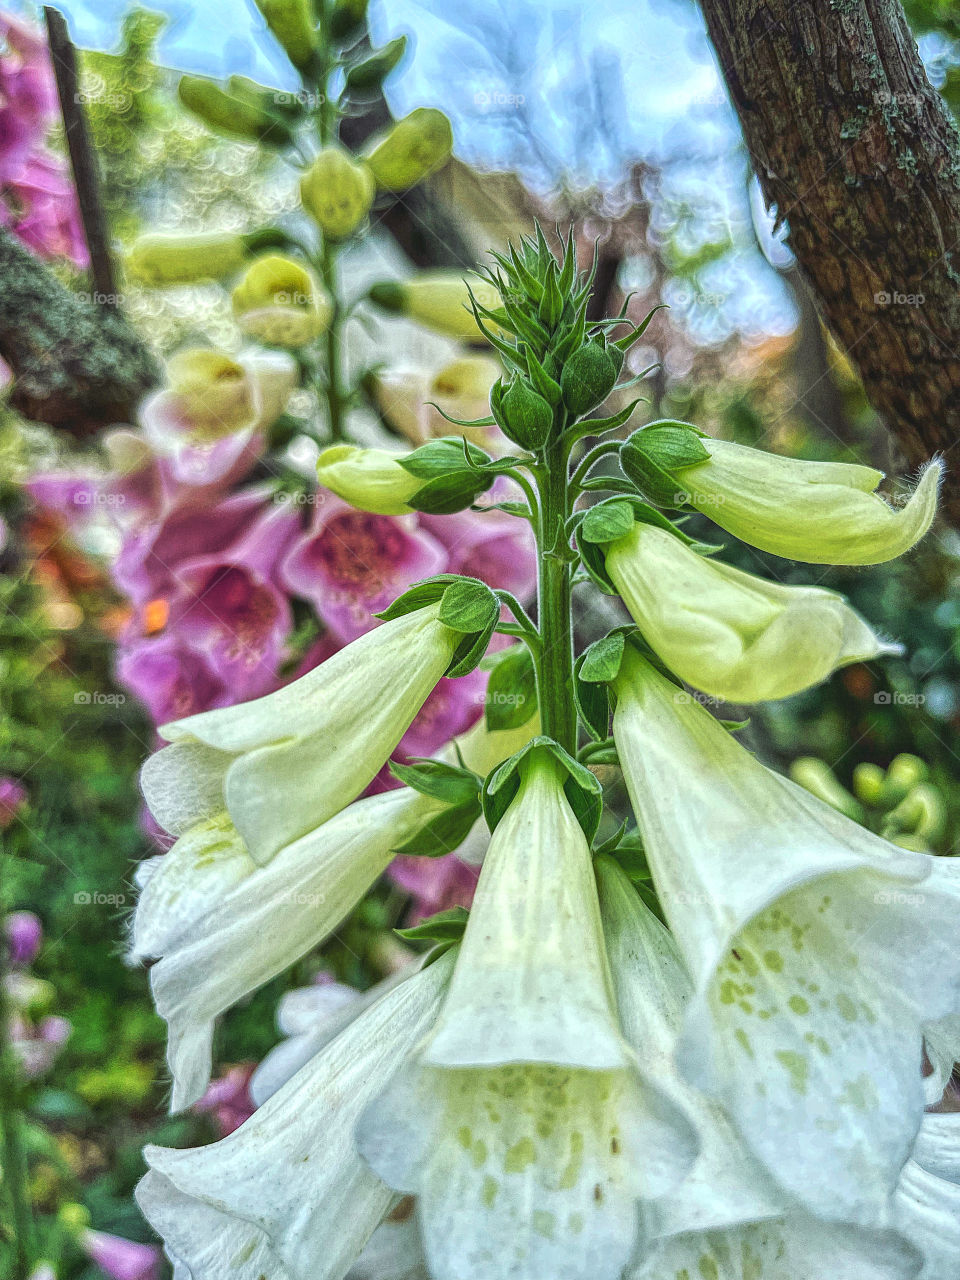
<point>652,456</point>
<point>588,378</point>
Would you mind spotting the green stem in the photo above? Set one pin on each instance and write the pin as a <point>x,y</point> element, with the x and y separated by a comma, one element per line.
<point>558,714</point>
<point>13,1160</point>
<point>329,127</point>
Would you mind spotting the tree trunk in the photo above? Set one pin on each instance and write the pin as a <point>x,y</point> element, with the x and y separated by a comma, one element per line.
<point>861,158</point>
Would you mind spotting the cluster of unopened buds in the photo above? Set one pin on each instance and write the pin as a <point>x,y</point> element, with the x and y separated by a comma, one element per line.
<point>567,1084</point>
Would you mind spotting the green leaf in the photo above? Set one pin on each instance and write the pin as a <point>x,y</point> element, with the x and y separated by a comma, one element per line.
<point>600,663</point>
<point>607,521</point>
<point>439,780</point>
<point>444,926</point>
<point>511,691</point>
<point>443,833</point>
<point>584,793</point>
<point>593,705</point>
<point>469,606</point>
<point>418,597</point>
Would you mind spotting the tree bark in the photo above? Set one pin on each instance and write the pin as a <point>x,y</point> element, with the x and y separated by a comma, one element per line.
<point>861,158</point>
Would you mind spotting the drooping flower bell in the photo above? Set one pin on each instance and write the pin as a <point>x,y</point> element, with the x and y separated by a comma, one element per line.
<point>280,302</point>
<point>224,926</point>
<point>337,192</point>
<point>818,512</point>
<point>927,1202</point>
<point>727,1220</point>
<point>818,951</point>
<point>411,149</point>
<point>287,1195</point>
<point>524,1126</point>
<point>439,300</point>
<point>369,479</point>
<point>730,633</point>
<point>285,763</point>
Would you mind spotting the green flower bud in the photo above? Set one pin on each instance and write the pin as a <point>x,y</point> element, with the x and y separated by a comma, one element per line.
<point>587,379</point>
<point>279,302</point>
<point>411,149</point>
<point>522,414</point>
<point>371,73</point>
<point>337,192</point>
<point>291,23</point>
<point>868,784</point>
<point>240,117</point>
<point>905,772</point>
<point>182,259</point>
<point>818,778</point>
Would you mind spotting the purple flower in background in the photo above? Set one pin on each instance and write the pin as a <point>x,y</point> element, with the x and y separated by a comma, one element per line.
<point>490,545</point>
<point>37,1044</point>
<point>351,564</point>
<point>41,208</point>
<point>435,884</point>
<point>13,800</point>
<point>170,677</point>
<point>28,92</point>
<point>227,1099</point>
<point>121,1259</point>
<point>230,607</point>
<point>452,707</point>
<point>24,933</point>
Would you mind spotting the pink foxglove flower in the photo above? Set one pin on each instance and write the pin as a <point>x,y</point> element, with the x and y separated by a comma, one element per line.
<point>351,564</point>
<point>24,934</point>
<point>13,800</point>
<point>490,545</point>
<point>227,1099</point>
<point>171,677</point>
<point>122,1259</point>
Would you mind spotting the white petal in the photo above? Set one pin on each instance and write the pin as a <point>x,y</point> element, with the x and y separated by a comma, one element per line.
<point>531,982</point>
<point>927,1201</point>
<point>289,1184</point>
<point>521,1172</point>
<point>192,878</point>
<point>792,1248</point>
<point>816,959</point>
<point>269,921</point>
<point>394,1251</point>
<point>726,1185</point>
<point>183,784</point>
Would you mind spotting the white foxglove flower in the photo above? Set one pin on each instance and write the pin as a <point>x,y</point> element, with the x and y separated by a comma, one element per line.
<point>524,1127</point>
<point>727,1220</point>
<point>291,760</point>
<point>927,1200</point>
<point>819,512</point>
<point>730,633</point>
<point>215,952</point>
<point>287,1196</point>
<point>395,1251</point>
<point>817,951</point>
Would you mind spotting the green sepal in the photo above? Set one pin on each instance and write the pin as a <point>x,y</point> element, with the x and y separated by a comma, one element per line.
<point>593,703</point>
<point>583,792</point>
<point>448,494</point>
<point>607,521</point>
<point>439,780</point>
<point>442,927</point>
<point>600,426</point>
<point>511,697</point>
<point>652,456</point>
<point>600,662</point>
<point>548,387</point>
<point>468,605</point>
<point>522,413</point>
<point>443,833</point>
<point>442,457</point>
<point>734,726</point>
<point>420,596</point>
<point>626,342</point>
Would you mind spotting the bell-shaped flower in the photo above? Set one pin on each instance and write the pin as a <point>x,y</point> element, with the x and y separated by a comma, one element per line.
<point>414,398</point>
<point>730,633</point>
<point>224,926</point>
<point>524,1126</point>
<point>819,512</point>
<point>287,1195</point>
<point>927,1200</point>
<point>726,1220</point>
<point>280,302</point>
<point>818,952</point>
<point>294,758</point>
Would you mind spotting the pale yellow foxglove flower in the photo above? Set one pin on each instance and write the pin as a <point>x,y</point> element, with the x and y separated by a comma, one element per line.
<point>819,512</point>
<point>369,479</point>
<point>727,632</point>
<point>818,951</point>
